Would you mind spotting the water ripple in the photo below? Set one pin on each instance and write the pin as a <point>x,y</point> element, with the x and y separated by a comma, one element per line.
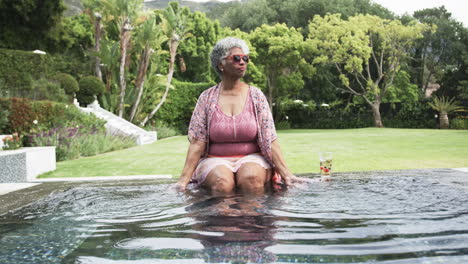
<point>377,218</point>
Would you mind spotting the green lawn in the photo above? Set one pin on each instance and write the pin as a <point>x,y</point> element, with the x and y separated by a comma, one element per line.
<point>354,150</point>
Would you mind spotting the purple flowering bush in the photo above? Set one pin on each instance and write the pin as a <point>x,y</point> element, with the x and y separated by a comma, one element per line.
<point>43,123</point>
<point>76,141</point>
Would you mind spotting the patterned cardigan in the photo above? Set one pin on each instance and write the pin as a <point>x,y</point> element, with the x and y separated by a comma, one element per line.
<point>206,105</point>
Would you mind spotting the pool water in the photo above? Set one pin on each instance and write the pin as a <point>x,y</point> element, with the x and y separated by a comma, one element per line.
<point>418,216</point>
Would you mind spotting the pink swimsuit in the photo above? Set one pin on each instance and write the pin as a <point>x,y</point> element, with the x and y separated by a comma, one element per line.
<point>234,135</point>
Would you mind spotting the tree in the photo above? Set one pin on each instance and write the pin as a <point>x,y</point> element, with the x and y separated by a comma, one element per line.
<point>176,27</point>
<point>26,24</point>
<point>281,53</point>
<point>194,53</point>
<point>120,15</point>
<point>439,50</point>
<point>248,15</point>
<point>366,50</point>
<point>109,58</point>
<point>71,36</point>
<point>454,82</point>
<point>150,36</point>
<point>97,17</point>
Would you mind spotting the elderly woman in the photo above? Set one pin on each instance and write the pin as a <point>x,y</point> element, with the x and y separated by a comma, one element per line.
<point>233,142</point>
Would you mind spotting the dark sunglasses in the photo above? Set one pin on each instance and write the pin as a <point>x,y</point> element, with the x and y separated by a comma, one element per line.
<point>236,58</point>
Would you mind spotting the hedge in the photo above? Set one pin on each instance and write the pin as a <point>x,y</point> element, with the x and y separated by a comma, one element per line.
<point>19,68</point>
<point>177,110</point>
<point>395,115</point>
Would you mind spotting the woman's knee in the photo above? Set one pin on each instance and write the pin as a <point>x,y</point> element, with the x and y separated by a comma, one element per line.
<point>251,177</point>
<point>250,182</point>
<point>220,181</point>
<point>223,185</point>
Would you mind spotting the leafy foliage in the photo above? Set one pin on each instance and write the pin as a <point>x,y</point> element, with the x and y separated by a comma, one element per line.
<point>44,89</point>
<point>249,15</point>
<point>26,116</point>
<point>67,82</point>
<point>409,115</point>
<point>444,104</point>
<point>194,62</point>
<point>90,86</point>
<point>78,141</point>
<point>441,51</point>
<point>281,56</point>
<point>367,51</point>
<point>74,36</point>
<point>27,24</point>
<point>176,113</point>
<point>18,69</point>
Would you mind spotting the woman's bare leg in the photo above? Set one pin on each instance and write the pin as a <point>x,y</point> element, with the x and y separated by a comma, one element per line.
<point>220,180</point>
<point>252,178</point>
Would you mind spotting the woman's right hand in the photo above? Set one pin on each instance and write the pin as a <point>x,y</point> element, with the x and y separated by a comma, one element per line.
<point>195,151</point>
<point>181,185</point>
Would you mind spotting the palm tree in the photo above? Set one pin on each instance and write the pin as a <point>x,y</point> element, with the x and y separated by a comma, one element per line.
<point>97,45</point>
<point>175,25</point>
<point>109,57</point>
<point>150,35</point>
<point>444,106</point>
<point>123,14</point>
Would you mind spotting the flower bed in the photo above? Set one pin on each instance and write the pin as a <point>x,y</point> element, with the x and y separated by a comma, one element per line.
<point>10,142</point>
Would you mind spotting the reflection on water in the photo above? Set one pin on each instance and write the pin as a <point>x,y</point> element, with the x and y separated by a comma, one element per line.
<point>383,218</point>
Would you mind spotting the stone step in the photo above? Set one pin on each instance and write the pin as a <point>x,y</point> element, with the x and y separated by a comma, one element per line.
<point>119,125</point>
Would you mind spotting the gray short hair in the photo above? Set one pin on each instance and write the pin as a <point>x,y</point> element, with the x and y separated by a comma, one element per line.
<point>221,50</point>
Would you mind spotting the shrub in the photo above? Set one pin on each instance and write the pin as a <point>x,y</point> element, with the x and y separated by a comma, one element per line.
<point>44,89</point>
<point>410,115</point>
<point>177,110</point>
<point>89,87</point>
<point>21,116</point>
<point>73,142</point>
<point>26,116</point>
<point>284,124</point>
<point>4,113</point>
<point>307,115</point>
<point>67,82</point>
<point>459,123</point>
<point>296,112</point>
<point>165,131</point>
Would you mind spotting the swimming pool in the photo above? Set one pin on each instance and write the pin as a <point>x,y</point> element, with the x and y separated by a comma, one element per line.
<point>416,216</point>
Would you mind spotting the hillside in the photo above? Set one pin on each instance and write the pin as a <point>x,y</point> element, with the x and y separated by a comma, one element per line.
<point>74,6</point>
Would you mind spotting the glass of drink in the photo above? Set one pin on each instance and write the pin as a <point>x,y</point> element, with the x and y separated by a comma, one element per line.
<point>326,159</point>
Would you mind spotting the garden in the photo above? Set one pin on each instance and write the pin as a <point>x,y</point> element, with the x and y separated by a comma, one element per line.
<point>386,94</point>
<point>327,88</point>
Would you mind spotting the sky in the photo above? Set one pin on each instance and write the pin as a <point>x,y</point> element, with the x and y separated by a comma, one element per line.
<point>458,8</point>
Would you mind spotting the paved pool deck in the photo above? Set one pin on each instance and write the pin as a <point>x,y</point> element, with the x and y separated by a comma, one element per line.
<point>12,187</point>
